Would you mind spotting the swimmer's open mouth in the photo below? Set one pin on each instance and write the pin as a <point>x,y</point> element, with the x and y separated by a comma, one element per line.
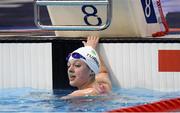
<point>72,77</point>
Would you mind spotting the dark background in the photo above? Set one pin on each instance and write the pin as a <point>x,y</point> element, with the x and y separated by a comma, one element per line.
<point>16,14</point>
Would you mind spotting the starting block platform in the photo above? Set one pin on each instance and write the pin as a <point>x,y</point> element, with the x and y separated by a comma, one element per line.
<point>105,18</point>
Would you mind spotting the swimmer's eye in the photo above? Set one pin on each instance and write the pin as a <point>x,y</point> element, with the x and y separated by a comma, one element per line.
<point>77,65</point>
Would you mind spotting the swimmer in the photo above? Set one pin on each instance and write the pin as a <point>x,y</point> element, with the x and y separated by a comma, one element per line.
<point>87,71</point>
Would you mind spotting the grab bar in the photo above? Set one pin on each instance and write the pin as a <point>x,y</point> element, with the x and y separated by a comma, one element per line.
<point>38,3</point>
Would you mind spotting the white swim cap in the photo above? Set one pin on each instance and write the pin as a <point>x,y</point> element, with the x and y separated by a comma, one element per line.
<point>89,56</point>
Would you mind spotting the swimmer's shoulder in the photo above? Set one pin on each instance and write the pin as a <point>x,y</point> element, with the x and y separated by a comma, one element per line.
<point>103,83</point>
<point>103,78</point>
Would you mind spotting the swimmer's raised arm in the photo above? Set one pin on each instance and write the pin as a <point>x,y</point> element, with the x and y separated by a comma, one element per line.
<point>103,74</point>
<point>93,41</point>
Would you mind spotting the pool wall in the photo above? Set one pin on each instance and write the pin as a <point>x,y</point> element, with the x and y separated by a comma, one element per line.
<point>39,62</point>
<point>26,64</point>
<point>152,65</point>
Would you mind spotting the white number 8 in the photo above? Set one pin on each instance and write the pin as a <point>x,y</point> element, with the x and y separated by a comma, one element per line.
<point>148,8</point>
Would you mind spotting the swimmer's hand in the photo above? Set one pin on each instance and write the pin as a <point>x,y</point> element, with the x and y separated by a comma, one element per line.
<point>66,97</point>
<point>91,41</point>
<point>81,93</point>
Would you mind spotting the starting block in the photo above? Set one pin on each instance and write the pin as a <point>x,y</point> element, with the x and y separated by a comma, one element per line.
<point>104,18</point>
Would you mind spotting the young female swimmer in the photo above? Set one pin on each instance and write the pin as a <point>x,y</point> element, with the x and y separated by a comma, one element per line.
<point>87,71</point>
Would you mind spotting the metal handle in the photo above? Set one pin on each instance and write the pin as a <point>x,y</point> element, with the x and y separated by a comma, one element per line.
<point>39,3</point>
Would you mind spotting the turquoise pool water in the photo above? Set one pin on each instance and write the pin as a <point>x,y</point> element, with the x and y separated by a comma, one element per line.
<point>33,100</point>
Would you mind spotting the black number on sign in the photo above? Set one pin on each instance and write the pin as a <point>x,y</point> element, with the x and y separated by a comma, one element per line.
<point>91,14</point>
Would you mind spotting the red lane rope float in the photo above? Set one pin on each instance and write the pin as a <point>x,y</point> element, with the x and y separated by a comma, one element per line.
<point>164,22</point>
<point>160,106</point>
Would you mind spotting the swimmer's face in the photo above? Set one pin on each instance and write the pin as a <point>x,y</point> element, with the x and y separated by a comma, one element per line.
<point>78,73</point>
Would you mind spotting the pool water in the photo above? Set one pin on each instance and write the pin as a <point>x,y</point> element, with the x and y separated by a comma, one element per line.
<point>34,100</point>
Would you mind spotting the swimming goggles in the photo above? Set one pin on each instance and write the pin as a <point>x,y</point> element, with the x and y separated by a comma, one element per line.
<point>75,56</point>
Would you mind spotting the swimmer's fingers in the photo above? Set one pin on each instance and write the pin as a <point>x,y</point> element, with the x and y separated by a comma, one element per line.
<point>92,41</point>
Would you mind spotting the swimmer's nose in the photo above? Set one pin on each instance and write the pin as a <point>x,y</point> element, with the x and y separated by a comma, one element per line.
<point>71,69</point>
